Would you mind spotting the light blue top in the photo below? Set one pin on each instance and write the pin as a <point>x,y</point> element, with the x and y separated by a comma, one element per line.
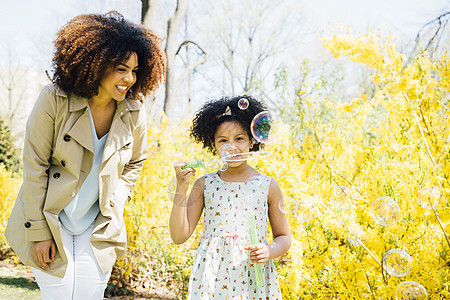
<point>79,214</point>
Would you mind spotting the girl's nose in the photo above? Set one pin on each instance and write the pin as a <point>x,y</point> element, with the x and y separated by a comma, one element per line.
<point>232,143</point>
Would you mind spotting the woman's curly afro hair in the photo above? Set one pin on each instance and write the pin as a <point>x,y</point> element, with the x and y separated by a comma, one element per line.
<point>90,44</point>
<point>209,117</point>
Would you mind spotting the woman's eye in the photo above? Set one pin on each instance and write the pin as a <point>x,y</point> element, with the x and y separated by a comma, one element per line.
<point>121,69</point>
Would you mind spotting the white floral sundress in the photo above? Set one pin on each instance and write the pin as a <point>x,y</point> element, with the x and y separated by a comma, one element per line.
<point>222,269</point>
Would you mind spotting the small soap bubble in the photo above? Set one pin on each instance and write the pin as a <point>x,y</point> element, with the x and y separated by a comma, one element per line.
<point>176,158</point>
<point>226,150</point>
<point>243,103</point>
<point>255,181</point>
<point>354,238</point>
<point>216,165</point>
<point>385,211</point>
<point>429,197</point>
<point>305,210</point>
<point>397,262</point>
<point>287,205</point>
<point>260,126</point>
<point>410,290</point>
<point>172,188</point>
<point>342,197</point>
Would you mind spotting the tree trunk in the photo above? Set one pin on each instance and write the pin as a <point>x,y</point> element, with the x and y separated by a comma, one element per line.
<point>173,26</point>
<point>149,13</point>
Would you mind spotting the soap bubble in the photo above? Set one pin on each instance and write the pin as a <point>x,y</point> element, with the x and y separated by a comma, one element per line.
<point>287,205</point>
<point>171,187</point>
<point>243,103</point>
<point>305,210</point>
<point>342,197</point>
<point>260,126</point>
<point>225,150</point>
<point>175,158</point>
<point>172,190</point>
<point>216,165</point>
<point>355,235</point>
<point>410,290</point>
<point>255,181</point>
<point>385,211</point>
<point>354,238</point>
<point>429,197</point>
<point>397,262</point>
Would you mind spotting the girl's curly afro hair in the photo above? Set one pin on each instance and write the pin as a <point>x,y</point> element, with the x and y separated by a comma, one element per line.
<point>89,44</point>
<point>209,117</point>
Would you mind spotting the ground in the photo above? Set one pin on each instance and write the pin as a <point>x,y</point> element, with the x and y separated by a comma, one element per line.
<point>17,282</point>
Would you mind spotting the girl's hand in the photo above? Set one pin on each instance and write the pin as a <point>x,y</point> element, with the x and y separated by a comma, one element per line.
<point>44,253</point>
<point>258,253</point>
<point>183,175</point>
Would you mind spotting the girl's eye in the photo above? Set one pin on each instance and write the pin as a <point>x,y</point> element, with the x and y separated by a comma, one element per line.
<point>121,69</point>
<point>135,71</point>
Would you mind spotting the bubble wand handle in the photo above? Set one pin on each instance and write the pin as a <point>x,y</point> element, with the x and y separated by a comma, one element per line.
<point>198,163</point>
<point>259,273</point>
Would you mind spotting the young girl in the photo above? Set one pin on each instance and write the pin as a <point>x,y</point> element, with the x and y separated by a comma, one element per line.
<point>224,265</point>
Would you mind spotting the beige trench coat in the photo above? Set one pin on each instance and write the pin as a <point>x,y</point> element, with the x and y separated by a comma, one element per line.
<point>58,154</point>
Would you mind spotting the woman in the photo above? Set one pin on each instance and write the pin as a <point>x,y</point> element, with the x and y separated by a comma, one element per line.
<point>85,145</point>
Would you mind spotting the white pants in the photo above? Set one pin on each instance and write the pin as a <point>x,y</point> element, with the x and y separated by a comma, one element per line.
<point>83,280</point>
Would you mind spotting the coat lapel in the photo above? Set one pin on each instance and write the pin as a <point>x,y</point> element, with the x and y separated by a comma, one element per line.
<point>119,135</point>
<point>81,129</point>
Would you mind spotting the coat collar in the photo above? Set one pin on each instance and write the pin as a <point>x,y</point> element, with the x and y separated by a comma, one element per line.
<point>78,103</point>
<point>119,133</point>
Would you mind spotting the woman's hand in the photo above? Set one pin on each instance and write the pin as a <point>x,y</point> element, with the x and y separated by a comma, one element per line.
<point>183,175</point>
<point>258,253</point>
<point>44,253</point>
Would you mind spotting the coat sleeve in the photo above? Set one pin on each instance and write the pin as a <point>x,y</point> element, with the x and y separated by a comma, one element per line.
<point>36,154</point>
<point>133,168</point>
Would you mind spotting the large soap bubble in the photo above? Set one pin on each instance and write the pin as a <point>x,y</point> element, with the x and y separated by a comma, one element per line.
<point>429,197</point>
<point>260,126</point>
<point>410,290</point>
<point>341,197</point>
<point>397,262</point>
<point>287,205</point>
<point>305,210</point>
<point>385,211</point>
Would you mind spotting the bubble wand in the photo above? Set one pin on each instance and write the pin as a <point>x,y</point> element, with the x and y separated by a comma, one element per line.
<point>201,163</point>
<point>222,162</point>
<point>259,273</point>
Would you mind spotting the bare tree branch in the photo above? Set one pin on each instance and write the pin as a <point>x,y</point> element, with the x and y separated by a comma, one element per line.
<point>441,22</point>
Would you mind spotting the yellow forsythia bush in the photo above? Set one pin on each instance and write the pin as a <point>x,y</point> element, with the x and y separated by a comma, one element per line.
<point>393,143</point>
<point>9,187</point>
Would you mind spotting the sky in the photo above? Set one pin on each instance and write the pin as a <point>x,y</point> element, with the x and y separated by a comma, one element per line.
<point>26,22</point>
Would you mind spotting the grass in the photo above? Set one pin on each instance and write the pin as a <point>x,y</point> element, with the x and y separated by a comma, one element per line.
<point>18,283</point>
